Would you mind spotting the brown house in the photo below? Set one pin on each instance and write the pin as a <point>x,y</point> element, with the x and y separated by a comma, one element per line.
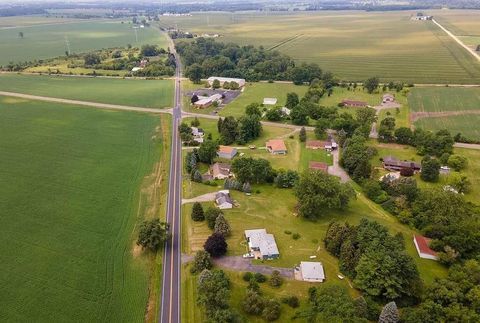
<point>393,164</point>
<point>354,104</point>
<point>314,165</point>
<point>315,144</point>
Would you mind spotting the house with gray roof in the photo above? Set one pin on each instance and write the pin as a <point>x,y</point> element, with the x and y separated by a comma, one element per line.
<point>223,200</point>
<point>262,244</point>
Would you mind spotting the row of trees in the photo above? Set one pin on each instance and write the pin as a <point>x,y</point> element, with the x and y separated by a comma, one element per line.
<point>241,131</point>
<point>206,57</point>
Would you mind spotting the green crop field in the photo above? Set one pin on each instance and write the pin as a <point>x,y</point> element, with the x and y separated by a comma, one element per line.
<point>70,182</point>
<point>465,124</point>
<point>459,22</point>
<point>142,93</point>
<point>27,21</point>
<point>50,40</point>
<point>352,44</point>
<point>440,99</point>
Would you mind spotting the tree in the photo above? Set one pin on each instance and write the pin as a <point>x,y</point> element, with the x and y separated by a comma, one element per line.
<point>320,128</point>
<point>194,72</point>
<point>152,234</point>
<point>149,50</point>
<point>461,183</point>
<point>371,84</point>
<point>404,135</point>
<point>91,59</point>
<point>228,130</point>
<point>302,136</point>
<point>276,280</point>
<point>20,34</point>
<point>250,128</point>
<point>197,212</point>
<point>299,115</point>
<point>389,314</point>
<point>286,178</point>
<point>195,122</point>
<point>207,151</point>
<point>196,176</point>
<point>272,310</point>
<point>430,169</point>
<point>386,131</point>
<point>292,100</point>
<point>457,162</point>
<point>201,261</point>
<point>222,226</point>
<point>274,114</point>
<point>185,132</point>
<point>216,245</point>
<point>215,84</point>
<point>317,192</point>
<point>253,303</point>
<point>211,216</point>
<point>253,109</point>
<point>213,293</point>
<point>250,170</point>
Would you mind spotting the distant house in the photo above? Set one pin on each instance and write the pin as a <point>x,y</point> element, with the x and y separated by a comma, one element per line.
<point>311,271</point>
<point>276,147</point>
<point>197,134</point>
<point>422,244</point>
<point>226,152</point>
<point>262,244</point>
<point>386,98</point>
<point>269,101</point>
<point>222,80</point>
<point>223,200</point>
<point>393,164</point>
<point>354,104</point>
<point>285,111</point>
<point>314,165</point>
<point>444,170</point>
<point>315,144</point>
<point>136,69</point>
<point>390,177</point>
<point>423,18</point>
<point>220,170</point>
<point>205,102</point>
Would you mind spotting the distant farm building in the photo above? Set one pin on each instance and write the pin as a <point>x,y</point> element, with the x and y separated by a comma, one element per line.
<point>262,244</point>
<point>222,80</point>
<point>354,104</point>
<point>393,164</point>
<point>276,147</point>
<point>269,101</point>
<point>320,166</point>
<point>223,200</point>
<point>423,247</point>
<point>319,144</point>
<point>285,111</point>
<point>310,271</point>
<point>205,102</point>
<point>388,98</point>
<point>226,152</point>
<point>423,18</point>
<point>220,170</point>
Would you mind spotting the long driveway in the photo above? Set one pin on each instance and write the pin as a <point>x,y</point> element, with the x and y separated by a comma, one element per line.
<point>171,302</point>
<point>455,38</point>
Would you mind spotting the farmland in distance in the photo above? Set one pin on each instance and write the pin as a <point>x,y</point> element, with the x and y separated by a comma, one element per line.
<point>354,45</point>
<point>70,183</point>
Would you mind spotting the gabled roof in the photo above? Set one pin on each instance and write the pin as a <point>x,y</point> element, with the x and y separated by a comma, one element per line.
<point>314,165</point>
<point>220,169</point>
<point>263,241</point>
<point>423,244</point>
<point>354,102</point>
<point>276,145</point>
<point>392,161</point>
<point>315,143</point>
<point>223,197</point>
<point>226,149</point>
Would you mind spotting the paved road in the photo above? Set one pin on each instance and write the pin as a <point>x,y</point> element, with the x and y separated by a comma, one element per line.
<point>97,105</point>
<point>170,302</point>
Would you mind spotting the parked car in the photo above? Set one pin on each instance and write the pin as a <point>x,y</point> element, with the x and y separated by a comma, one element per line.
<point>248,255</point>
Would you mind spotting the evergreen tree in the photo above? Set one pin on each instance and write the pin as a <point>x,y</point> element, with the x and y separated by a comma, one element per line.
<point>196,176</point>
<point>276,280</point>
<point>292,100</point>
<point>211,216</point>
<point>253,303</point>
<point>222,226</point>
<point>201,261</point>
<point>302,135</point>
<point>197,212</point>
<point>389,314</point>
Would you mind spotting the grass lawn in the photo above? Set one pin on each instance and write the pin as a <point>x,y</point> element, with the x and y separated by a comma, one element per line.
<point>49,40</point>
<point>354,45</point>
<point>253,92</point>
<point>142,93</point>
<point>74,185</point>
<point>466,124</point>
<point>440,99</point>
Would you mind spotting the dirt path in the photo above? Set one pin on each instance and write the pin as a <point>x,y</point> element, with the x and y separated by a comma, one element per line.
<point>455,38</point>
<point>336,169</point>
<point>466,146</point>
<point>414,116</point>
<point>201,198</point>
<point>97,105</point>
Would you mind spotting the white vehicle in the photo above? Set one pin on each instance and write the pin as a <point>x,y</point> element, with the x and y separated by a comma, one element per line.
<point>248,255</point>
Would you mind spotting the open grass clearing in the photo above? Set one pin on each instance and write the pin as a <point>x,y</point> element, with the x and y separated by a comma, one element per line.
<point>74,185</point>
<point>466,124</point>
<point>47,41</point>
<point>354,45</point>
<point>133,92</point>
<point>440,99</point>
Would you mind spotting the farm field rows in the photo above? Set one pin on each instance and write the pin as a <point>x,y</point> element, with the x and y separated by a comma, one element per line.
<point>459,22</point>
<point>441,99</point>
<point>466,124</point>
<point>27,21</point>
<point>142,93</point>
<point>354,45</point>
<point>50,40</point>
<point>70,183</point>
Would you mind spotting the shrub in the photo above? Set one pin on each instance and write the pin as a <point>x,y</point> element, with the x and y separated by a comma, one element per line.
<point>407,172</point>
<point>247,276</point>
<point>287,232</point>
<point>197,212</point>
<point>292,301</point>
<point>296,236</point>
<point>216,245</point>
<point>276,280</point>
<point>260,278</point>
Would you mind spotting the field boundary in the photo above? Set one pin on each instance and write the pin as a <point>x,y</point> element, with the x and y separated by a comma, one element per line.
<point>285,41</point>
<point>456,39</point>
<point>414,116</point>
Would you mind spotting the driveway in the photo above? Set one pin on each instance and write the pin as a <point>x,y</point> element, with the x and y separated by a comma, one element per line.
<point>201,198</point>
<point>336,170</point>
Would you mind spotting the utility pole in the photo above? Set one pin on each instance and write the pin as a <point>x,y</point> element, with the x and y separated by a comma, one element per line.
<point>67,44</point>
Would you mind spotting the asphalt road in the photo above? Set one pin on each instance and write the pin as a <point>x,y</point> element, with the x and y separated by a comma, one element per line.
<point>170,302</point>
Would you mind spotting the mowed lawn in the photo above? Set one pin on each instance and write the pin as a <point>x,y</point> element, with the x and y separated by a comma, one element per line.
<point>70,181</point>
<point>141,93</point>
<point>354,45</point>
<point>50,40</point>
<point>440,99</point>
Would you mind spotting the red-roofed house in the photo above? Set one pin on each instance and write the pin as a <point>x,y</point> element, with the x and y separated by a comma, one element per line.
<point>314,165</point>
<point>226,152</point>
<point>315,144</point>
<point>422,244</point>
<point>276,147</point>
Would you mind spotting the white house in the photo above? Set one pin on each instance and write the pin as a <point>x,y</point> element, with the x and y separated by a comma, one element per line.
<point>285,111</point>
<point>311,271</point>
<point>223,200</point>
<point>205,102</point>
<point>262,244</point>
<point>269,101</point>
